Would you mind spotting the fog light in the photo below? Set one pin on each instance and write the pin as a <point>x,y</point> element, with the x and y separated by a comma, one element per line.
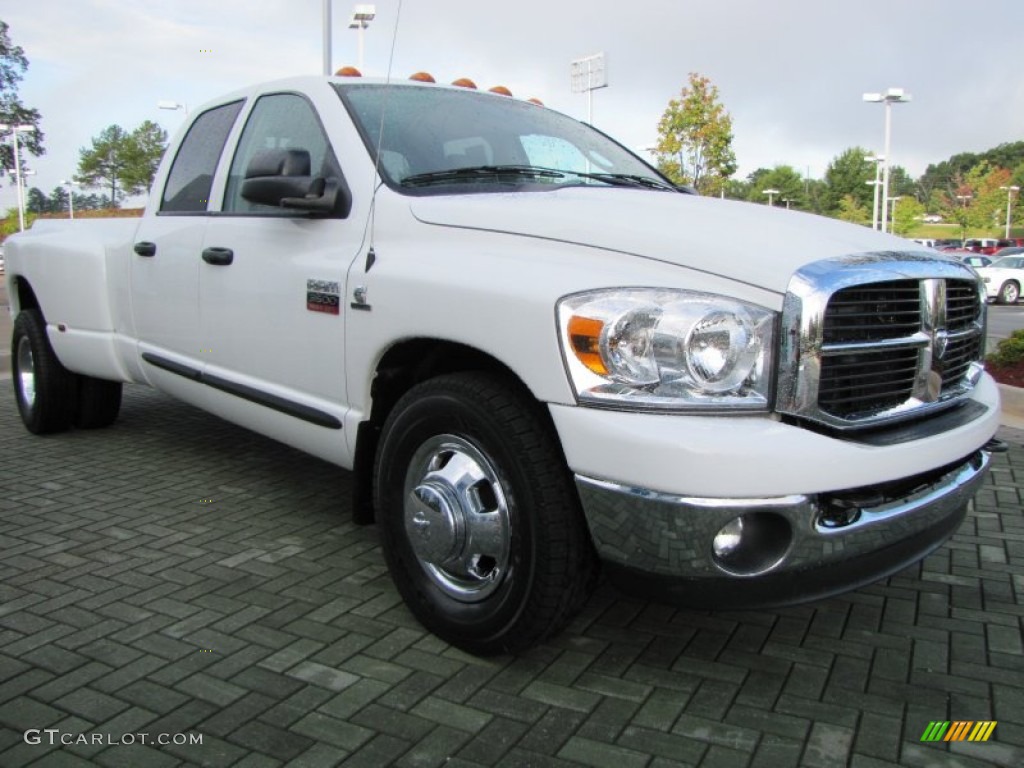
<point>753,543</point>
<point>728,539</point>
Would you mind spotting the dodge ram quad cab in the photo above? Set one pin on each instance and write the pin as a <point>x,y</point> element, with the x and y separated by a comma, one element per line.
<point>537,355</point>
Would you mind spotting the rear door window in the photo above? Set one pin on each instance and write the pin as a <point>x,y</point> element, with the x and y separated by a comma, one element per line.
<point>188,184</point>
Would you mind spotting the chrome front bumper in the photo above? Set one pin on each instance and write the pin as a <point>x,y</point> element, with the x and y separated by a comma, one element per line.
<point>793,548</point>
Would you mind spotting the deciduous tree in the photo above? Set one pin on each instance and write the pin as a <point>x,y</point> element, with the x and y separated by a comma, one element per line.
<point>847,176</point>
<point>13,66</point>
<point>695,138</point>
<point>850,209</point>
<point>907,215</point>
<point>785,180</point>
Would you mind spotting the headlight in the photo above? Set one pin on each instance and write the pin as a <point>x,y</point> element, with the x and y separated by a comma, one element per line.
<point>666,349</point>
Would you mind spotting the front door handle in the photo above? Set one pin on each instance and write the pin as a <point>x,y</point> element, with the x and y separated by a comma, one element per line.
<point>145,249</point>
<point>219,257</point>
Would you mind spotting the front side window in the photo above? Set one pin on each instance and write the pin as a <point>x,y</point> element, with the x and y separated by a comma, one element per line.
<point>436,140</point>
<point>278,121</point>
<point>188,184</point>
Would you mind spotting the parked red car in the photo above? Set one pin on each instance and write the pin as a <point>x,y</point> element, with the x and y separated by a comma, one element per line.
<point>985,245</point>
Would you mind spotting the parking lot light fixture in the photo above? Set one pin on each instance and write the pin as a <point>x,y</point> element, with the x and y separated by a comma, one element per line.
<point>890,97</point>
<point>1009,203</point>
<point>362,15</point>
<point>771,195</point>
<point>19,184</point>
<point>169,104</point>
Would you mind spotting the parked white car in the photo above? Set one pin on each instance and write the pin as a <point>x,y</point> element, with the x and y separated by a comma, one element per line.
<point>1003,279</point>
<point>532,350</point>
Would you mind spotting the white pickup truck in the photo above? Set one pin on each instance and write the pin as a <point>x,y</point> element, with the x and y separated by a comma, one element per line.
<point>536,355</point>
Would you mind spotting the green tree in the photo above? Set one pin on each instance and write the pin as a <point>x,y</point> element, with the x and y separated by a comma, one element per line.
<point>902,184</point>
<point>847,176</point>
<point>906,215</point>
<point>36,201</point>
<point>695,138</point>
<point>954,203</point>
<point>851,209</point>
<point>146,148</point>
<point>58,199</point>
<point>124,162</point>
<point>13,66</point>
<point>787,182</point>
<point>104,163</point>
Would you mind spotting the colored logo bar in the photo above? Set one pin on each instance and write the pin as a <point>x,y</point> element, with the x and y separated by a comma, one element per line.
<point>959,730</point>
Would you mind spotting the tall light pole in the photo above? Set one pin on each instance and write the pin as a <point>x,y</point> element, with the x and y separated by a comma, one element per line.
<point>588,74</point>
<point>892,211</point>
<point>890,97</point>
<point>70,184</point>
<point>1009,202</point>
<point>877,160</point>
<point>362,15</point>
<point>15,130</point>
<point>771,195</point>
<point>327,37</point>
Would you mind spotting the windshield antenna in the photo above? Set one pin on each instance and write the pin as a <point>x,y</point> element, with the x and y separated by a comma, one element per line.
<point>383,111</point>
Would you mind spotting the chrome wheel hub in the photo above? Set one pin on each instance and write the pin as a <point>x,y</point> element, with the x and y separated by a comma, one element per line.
<point>456,517</point>
<point>26,372</point>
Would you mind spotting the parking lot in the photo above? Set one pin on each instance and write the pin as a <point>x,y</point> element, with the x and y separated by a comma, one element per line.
<point>177,575</point>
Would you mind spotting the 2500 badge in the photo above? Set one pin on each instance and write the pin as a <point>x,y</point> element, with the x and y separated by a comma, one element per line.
<point>323,296</point>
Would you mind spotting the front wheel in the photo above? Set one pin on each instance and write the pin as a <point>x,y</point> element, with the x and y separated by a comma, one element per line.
<point>1009,293</point>
<point>46,391</point>
<point>479,519</point>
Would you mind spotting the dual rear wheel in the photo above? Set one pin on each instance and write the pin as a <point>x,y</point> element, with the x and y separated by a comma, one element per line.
<point>50,397</point>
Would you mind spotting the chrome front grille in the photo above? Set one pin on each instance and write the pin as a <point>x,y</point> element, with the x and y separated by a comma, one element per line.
<point>877,338</point>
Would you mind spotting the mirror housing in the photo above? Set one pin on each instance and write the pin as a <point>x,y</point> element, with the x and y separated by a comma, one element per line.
<point>282,178</point>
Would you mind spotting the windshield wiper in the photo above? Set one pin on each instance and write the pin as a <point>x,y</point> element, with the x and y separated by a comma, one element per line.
<point>481,172</point>
<point>630,180</point>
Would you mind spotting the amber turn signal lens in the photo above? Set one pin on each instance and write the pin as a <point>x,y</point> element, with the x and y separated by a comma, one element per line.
<point>585,337</point>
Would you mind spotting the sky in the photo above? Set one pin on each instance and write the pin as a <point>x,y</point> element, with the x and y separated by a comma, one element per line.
<point>791,73</point>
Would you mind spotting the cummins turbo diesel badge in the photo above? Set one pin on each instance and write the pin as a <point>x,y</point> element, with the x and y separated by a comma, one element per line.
<point>323,296</point>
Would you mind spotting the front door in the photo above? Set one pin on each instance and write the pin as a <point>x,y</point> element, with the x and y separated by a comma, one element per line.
<point>273,316</point>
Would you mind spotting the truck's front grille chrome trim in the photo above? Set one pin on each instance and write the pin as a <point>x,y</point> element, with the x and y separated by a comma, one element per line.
<point>877,338</point>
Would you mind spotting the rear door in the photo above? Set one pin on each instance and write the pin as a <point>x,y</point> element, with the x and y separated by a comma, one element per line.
<point>168,247</point>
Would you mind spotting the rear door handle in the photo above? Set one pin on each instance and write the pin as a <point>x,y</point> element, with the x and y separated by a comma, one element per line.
<point>145,249</point>
<point>219,257</point>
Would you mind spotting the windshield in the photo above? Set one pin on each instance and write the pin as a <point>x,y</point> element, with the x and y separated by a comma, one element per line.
<point>444,140</point>
<point>1009,262</point>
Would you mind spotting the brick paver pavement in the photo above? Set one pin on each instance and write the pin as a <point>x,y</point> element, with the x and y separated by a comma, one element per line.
<point>177,575</point>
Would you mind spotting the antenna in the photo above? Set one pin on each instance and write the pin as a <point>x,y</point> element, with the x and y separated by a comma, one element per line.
<point>383,111</point>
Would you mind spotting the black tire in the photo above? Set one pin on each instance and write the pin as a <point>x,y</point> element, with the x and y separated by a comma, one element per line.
<point>498,590</point>
<point>46,391</point>
<point>1009,293</point>
<point>99,402</point>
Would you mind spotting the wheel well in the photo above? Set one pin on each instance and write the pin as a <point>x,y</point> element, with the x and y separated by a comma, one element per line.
<point>24,297</point>
<point>402,367</point>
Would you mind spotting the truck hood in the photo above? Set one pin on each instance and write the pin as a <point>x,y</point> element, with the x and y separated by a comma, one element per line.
<point>754,244</point>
